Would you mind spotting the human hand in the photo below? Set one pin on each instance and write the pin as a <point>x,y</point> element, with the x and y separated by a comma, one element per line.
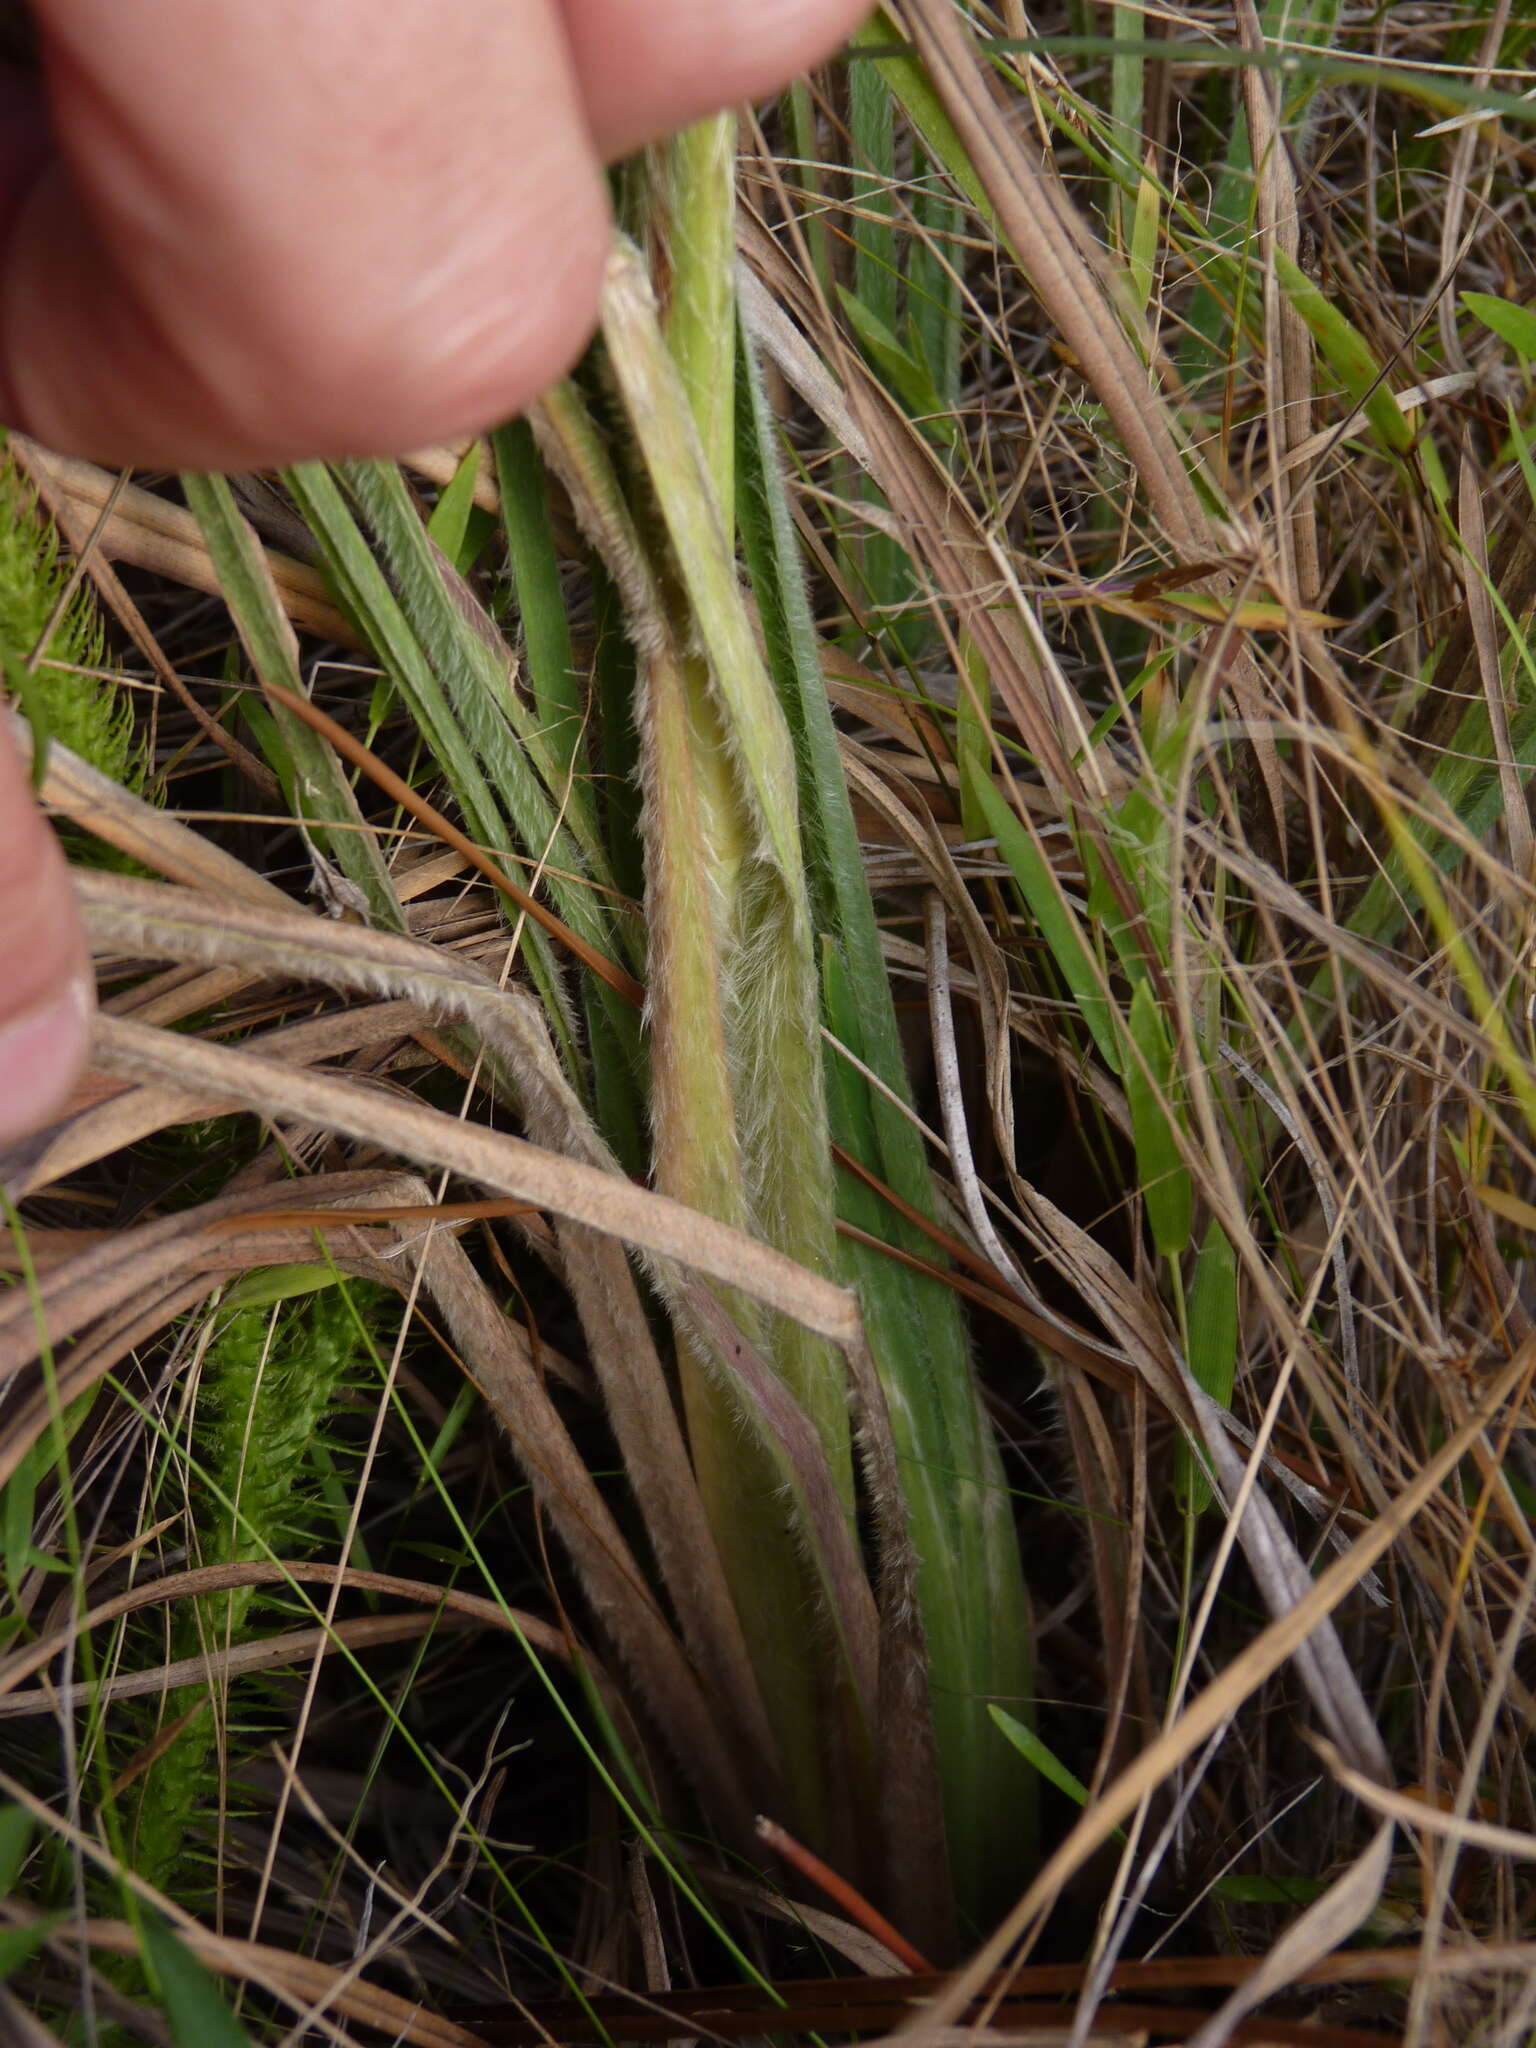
<point>251,231</point>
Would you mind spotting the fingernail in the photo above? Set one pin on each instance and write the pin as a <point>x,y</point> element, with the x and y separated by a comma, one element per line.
<point>41,1057</point>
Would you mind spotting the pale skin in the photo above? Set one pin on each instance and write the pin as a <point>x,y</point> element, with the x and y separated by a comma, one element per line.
<point>235,233</point>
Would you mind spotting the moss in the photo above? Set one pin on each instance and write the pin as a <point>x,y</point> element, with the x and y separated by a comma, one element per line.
<point>61,696</point>
<point>271,1381</point>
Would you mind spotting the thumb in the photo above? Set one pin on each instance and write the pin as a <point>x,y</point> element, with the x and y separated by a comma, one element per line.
<point>46,985</point>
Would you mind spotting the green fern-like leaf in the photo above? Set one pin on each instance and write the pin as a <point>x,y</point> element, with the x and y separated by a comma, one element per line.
<point>62,690</point>
<point>273,1379</point>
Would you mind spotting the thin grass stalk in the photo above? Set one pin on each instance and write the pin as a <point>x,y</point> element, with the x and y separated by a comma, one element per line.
<point>320,790</point>
<point>524,762</point>
<point>540,600</point>
<point>1049,242</point>
<point>531,755</point>
<point>401,629</point>
<point>877,562</point>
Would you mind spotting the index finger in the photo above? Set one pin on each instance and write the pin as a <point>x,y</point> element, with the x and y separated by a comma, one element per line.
<point>275,228</point>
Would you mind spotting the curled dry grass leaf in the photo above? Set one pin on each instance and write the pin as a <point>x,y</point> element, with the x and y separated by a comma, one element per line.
<point>215,1075</point>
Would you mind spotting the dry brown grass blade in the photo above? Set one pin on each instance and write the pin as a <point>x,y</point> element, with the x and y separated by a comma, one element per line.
<point>951,1098</point>
<point>104,1347</point>
<point>973,574</point>
<point>1513,574</point>
<point>134,1283</point>
<point>909,961</point>
<point>881,2001</point>
<point>440,465</point>
<point>1289,364</point>
<point>783,343</point>
<point>1049,1336</point>
<point>1403,1809</point>
<point>179,993</point>
<point>946,537</point>
<point>21,2028</point>
<point>1484,628</point>
<point>639,1405</point>
<point>400,792</point>
<point>131,1285</point>
<point>1131,1312</point>
<point>1283,1578</point>
<point>144,1314</point>
<point>821,1874</point>
<point>153,919</point>
<point>894,800</point>
<point>843,2007</point>
<point>300,1981</point>
<point>1053,251</point>
<point>124,1287</point>
<point>840,1936</point>
<point>325,1984</point>
<point>95,803</point>
<point>115,1263</point>
<point>1116,1502</point>
<point>1057,254</point>
<point>209,1579</point>
<point>566,1187</point>
<point>967,1182</point>
<point>129,1114</point>
<point>1026,2026</point>
<point>217,1667</point>
<point>147,918</point>
<point>1326,1924</point>
<point>696,1728</point>
<point>1211,1708</point>
<point>1501,1701</point>
<point>47,1248</point>
<point>149,532</point>
<point>1458,178</point>
<point>1376,968</point>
